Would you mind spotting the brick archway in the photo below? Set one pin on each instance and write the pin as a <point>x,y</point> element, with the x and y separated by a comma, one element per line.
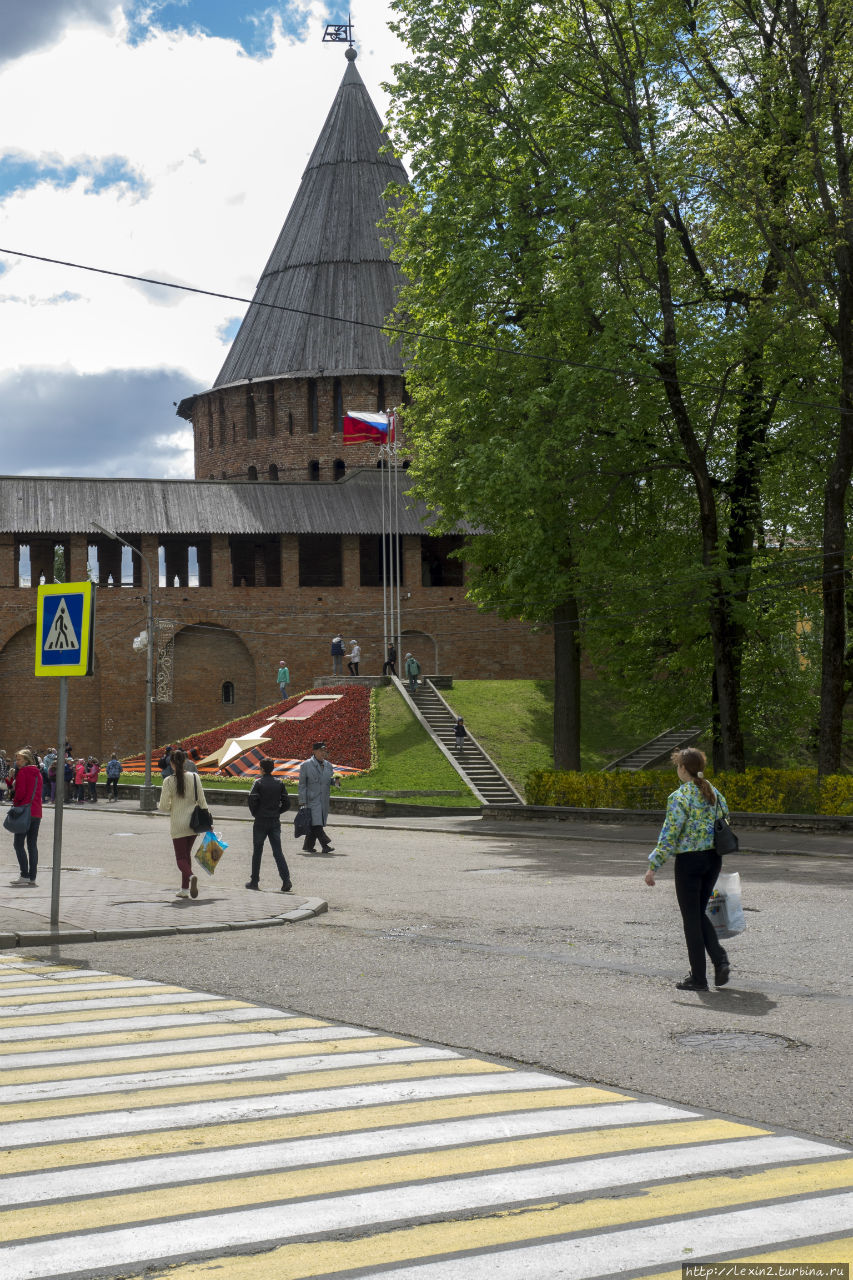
<point>207,657</point>
<point>425,649</point>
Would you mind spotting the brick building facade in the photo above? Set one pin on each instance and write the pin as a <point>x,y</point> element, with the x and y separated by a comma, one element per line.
<point>276,545</point>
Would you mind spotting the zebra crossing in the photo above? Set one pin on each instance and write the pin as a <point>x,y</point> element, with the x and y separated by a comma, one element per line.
<point>147,1126</point>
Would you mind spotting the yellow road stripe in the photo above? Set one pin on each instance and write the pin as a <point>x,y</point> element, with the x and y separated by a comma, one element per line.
<point>512,1226</point>
<point>50,1108</point>
<point>133,1011</point>
<point>94,1039</point>
<point>827,1251</point>
<point>595,1212</point>
<point>286,1128</point>
<point>207,1057</point>
<point>58,983</point>
<point>53,996</point>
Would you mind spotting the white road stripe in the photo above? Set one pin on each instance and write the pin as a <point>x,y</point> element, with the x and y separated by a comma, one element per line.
<point>56,975</point>
<point>158,1048</point>
<point>69,988</point>
<point>276,1223</point>
<point>106,1002</point>
<point>630,1249</point>
<point>228,1162</point>
<point>91,1027</point>
<point>227,1110</point>
<point>176,1077</point>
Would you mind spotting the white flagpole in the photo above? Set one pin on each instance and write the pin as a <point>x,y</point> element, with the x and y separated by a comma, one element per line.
<point>384,560</point>
<point>397,547</point>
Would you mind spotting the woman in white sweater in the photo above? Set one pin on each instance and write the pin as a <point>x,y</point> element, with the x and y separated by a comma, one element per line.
<point>181,793</point>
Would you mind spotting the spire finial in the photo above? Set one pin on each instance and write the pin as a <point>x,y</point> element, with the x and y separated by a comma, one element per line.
<point>341,33</point>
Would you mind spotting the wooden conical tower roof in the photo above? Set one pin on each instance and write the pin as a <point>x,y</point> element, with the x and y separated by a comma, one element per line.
<point>328,259</point>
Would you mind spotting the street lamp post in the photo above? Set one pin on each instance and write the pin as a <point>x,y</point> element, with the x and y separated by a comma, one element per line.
<point>147,801</point>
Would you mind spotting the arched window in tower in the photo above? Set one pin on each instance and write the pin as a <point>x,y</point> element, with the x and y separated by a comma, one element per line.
<point>251,415</point>
<point>210,424</point>
<point>380,394</point>
<point>273,472</point>
<point>271,424</point>
<point>313,469</point>
<point>339,469</point>
<point>223,422</point>
<point>289,423</point>
<point>313,408</point>
<point>252,473</point>
<point>228,693</point>
<point>338,398</point>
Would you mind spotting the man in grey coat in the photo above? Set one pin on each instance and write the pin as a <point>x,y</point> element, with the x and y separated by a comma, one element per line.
<point>316,776</point>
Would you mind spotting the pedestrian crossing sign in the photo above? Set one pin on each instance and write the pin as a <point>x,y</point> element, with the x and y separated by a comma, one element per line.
<point>65,629</point>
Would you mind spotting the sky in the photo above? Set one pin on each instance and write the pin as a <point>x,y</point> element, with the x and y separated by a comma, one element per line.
<point>164,138</point>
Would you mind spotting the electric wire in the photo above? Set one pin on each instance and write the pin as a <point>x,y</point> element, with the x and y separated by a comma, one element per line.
<point>468,343</point>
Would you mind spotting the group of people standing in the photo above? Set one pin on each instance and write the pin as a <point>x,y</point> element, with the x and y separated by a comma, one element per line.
<point>183,792</point>
<point>78,776</point>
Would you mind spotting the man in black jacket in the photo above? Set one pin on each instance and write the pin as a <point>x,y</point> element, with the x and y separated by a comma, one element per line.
<point>268,800</point>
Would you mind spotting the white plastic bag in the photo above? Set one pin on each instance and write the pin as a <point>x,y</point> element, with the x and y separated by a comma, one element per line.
<point>725,909</point>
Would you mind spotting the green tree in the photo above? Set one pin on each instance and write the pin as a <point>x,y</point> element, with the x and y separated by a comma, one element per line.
<point>556,207</point>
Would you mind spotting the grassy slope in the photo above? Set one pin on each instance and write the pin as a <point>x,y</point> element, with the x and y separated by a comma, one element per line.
<point>513,719</point>
<point>408,759</point>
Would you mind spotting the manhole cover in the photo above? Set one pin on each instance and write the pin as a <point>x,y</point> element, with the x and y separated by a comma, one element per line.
<point>735,1041</point>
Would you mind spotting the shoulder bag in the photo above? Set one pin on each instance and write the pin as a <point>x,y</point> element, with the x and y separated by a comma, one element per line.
<point>200,819</point>
<point>725,840</point>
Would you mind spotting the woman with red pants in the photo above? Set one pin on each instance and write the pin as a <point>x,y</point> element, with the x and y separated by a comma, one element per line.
<point>181,793</point>
<point>28,789</point>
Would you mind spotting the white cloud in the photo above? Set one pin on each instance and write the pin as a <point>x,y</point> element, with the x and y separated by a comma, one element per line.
<point>215,142</point>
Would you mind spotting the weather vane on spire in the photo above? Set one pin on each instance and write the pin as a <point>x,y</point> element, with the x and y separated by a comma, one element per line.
<point>339,32</point>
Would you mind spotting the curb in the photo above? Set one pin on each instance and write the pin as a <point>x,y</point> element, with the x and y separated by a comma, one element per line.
<point>50,937</point>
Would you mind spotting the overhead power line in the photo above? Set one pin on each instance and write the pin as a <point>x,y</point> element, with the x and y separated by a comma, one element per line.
<point>487,347</point>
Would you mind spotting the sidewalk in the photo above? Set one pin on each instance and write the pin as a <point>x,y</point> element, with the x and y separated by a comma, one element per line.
<point>134,897</point>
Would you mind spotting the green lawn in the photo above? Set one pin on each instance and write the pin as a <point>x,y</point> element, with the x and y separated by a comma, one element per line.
<point>408,759</point>
<point>514,722</point>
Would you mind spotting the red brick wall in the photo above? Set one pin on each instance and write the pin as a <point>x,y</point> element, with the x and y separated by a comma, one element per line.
<point>268,424</point>
<point>242,634</point>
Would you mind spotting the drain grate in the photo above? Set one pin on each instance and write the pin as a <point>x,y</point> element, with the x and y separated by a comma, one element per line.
<point>736,1041</point>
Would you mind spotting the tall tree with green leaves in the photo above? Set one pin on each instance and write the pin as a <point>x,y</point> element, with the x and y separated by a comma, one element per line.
<point>565,204</point>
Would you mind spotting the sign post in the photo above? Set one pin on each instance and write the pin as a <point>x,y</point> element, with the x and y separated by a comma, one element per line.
<point>65,646</point>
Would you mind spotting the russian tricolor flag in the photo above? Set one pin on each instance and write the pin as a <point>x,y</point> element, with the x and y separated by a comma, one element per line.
<point>366,428</point>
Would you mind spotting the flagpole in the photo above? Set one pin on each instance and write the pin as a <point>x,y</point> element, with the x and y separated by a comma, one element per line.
<point>397,547</point>
<point>384,566</point>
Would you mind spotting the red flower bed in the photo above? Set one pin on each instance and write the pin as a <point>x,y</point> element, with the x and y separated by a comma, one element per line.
<point>344,726</point>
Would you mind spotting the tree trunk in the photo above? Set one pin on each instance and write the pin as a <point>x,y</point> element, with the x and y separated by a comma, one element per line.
<point>567,686</point>
<point>833,664</point>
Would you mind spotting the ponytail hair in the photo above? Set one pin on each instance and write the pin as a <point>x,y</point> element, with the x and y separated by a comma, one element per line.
<point>693,760</point>
<point>177,761</point>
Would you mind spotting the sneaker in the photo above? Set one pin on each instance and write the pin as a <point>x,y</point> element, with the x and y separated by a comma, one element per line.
<point>286,886</point>
<point>182,893</point>
<point>250,884</point>
<point>721,973</point>
<point>20,880</point>
<point>193,886</point>
<point>31,883</point>
<point>690,984</point>
<point>328,848</point>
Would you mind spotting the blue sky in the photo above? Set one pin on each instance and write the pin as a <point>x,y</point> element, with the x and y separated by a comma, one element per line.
<point>165,138</point>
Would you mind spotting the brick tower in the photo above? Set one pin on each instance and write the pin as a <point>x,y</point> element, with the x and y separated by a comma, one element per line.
<point>298,362</point>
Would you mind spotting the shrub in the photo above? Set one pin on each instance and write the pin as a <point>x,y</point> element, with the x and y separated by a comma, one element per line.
<point>754,791</point>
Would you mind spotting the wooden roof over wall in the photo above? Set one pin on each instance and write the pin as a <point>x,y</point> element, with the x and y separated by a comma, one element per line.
<point>329,259</point>
<point>46,505</point>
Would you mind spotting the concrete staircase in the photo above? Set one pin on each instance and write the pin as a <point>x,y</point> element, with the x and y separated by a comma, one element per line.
<point>472,764</point>
<point>657,749</point>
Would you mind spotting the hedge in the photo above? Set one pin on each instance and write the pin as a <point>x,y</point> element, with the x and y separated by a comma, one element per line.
<point>754,791</point>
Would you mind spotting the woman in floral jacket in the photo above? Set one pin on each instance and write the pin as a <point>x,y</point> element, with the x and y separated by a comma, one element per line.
<point>688,834</point>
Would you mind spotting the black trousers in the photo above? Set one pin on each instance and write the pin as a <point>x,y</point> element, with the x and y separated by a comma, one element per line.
<point>268,829</point>
<point>316,833</point>
<point>28,864</point>
<point>695,876</point>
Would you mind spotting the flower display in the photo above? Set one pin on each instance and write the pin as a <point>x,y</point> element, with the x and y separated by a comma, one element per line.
<point>343,724</point>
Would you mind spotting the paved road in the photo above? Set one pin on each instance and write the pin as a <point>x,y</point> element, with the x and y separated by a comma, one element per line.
<point>145,1124</point>
<point>545,951</point>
